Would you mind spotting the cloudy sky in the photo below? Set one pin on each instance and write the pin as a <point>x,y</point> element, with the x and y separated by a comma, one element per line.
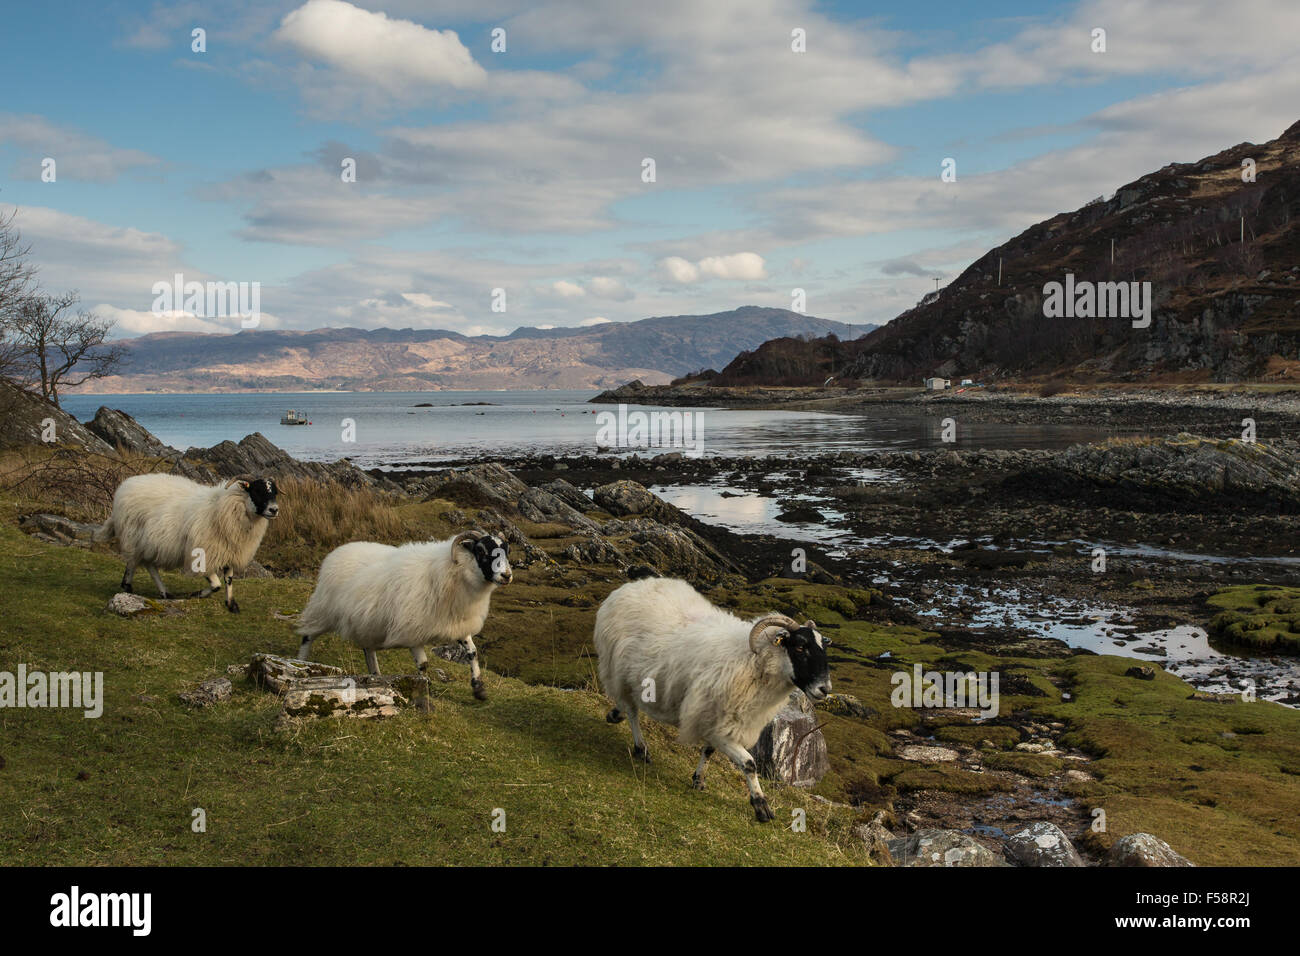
<point>524,168</point>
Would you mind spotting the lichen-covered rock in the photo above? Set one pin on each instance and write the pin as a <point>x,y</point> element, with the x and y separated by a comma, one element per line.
<point>1143,849</point>
<point>339,697</point>
<point>279,673</point>
<point>540,505</point>
<point>593,550</point>
<point>209,692</point>
<point>792,749</point>
<point>129,605</point>
<point>1042,844</point>
<point>23,418</point>
<point>926,754</point>
<point>624,497</point>
<point>942,848</point>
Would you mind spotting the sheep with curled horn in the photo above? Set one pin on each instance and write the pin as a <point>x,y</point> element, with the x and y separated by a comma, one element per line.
<point>668,652</point>
<point>379,596</point>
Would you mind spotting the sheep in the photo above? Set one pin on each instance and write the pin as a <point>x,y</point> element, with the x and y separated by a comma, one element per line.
<point>170,522</point>
<point>664,649</point>
<point>378,596</point>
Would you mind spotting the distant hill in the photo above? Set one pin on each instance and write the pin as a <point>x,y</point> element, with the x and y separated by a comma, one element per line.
<point>654,350</point>
<point>1224,310</point>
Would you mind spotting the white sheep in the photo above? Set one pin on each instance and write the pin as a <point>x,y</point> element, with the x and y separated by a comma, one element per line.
<point>664,649</point>
<point>169,522</point>
<point>378,596</point>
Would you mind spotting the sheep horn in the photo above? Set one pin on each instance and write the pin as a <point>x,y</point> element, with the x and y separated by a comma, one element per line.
<point>471,534</point>
<point>762,624</point>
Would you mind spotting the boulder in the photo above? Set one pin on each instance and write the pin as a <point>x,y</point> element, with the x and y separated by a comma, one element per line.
<point>942,848</point>
<point>317,697</point>
<point>877,839</point>
<point>1143,849</point>
<point>1042,844</point>
<point>845,705</point>
<point>792,749</point>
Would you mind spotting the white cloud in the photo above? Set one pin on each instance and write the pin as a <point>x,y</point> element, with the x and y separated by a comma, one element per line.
<point>740,265</point>
<point>594,320</point>
<point>568,290</point>
<point>607,287</point>
<point>398,56</point>
<point>131,322</point>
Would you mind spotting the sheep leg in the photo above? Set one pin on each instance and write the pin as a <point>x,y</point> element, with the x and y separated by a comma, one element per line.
<point>421,697</point>
<point>475,675</point>
<point>744,762</point>
<point>697,779</point>
<point>231,604</point>
<point>214,582</point>
<point>372,661</point>
<point>639,751</point>
<point>158,581</point>
<point>421,659</point>
<point>128,576</point>
<point>304,649</point>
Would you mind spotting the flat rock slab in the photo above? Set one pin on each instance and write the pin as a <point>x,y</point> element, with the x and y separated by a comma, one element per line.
<point>209,692</point>
<point>340,697</point>
<point>278,673</point>
<point>925,754</point>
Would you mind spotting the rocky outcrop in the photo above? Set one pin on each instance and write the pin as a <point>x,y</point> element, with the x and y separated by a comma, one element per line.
<point>1188,466</point>
<point>24,417</point>
<point>120,430</point>
<point>56,529</point>
<point>256,455</point>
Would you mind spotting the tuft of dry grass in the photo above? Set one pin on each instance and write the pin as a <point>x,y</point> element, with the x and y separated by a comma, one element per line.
<point>70,481</point>
<point>316,517</point>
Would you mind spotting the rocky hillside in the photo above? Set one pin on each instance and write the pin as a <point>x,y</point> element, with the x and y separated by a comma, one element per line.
<point>654,350</point>
<point>1224,309</point>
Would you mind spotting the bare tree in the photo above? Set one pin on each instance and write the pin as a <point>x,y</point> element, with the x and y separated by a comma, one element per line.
<point>59,349</point>
<point>16,273</point>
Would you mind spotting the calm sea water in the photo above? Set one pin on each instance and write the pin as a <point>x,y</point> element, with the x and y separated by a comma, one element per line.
<point>390,430</point>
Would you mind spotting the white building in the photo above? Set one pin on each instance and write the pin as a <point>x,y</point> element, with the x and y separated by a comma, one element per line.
<point>937,384</point>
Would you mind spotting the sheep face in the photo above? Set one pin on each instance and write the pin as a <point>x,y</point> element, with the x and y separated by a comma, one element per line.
<point>262,494</point>
<point>805,652</point>
<point>490,554</point>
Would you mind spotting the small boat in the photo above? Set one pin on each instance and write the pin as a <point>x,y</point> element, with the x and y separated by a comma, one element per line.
<point>293,418</point>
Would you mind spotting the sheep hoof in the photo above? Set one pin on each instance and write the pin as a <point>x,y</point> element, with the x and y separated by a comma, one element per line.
<point>640,753</point>
<point>127,588</point>
<point>698,783</point>
<point>614,717</point>
<point>233,607</point>
<point>762,812</point>
<point>480,692</point>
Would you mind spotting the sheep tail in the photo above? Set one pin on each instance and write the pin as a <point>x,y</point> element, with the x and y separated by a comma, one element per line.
<point>105,532</point>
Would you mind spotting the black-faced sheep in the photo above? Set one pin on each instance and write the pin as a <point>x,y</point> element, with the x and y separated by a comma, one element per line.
<point>166,522</point>
<point>378,596</point>
<point>665,650</point>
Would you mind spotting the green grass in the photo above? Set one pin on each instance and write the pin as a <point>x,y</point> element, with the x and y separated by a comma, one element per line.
<point>1260,616</point>
<point>415,789</point>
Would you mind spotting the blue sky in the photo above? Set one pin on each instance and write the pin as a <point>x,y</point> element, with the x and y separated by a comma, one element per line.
<point>521,169</point>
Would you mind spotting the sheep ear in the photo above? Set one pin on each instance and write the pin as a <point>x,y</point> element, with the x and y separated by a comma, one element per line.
<point>243,484</point>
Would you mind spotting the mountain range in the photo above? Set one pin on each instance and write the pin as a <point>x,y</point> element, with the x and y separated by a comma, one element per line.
<point>654,350</point>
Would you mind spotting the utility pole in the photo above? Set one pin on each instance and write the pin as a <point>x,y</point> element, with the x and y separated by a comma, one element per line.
<point>999,270</point>
<point>1112,252</point>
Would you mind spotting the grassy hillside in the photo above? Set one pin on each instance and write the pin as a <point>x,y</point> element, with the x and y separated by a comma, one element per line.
<point>1220,781</point>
